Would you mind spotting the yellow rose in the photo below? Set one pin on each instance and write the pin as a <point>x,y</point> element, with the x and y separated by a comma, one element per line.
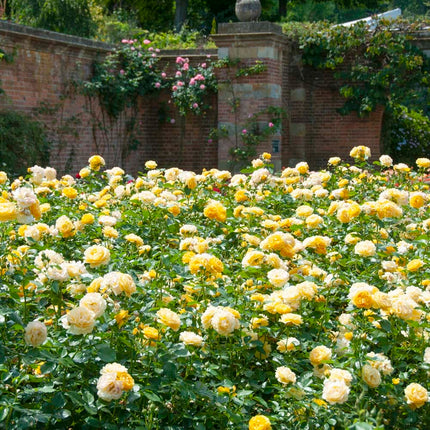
<point>334,161</point>
<point>133,238</point>
<point>365,248</point>
<point>3,177</point>
<point>80,320</point>
<point>259,422</point>
<point>371,376</point>
<point>335,391</point>
<point>290,318</point>
<point>285,375</point>
<point>169,318</point>
<point>190,338</point>
<point>96,161</point>
<point>35,333</point>
<point>65,226</point>
<point>417,200</point>
<point>416,395</point>
<point>302,167</point>
<point>360,152</point>
<point>87,219</point>
<point>423,163</point>
<point>8,211</point>
<point>414,265</point>
<point>215,210</point>
<point>96,256</point>
<point>83,173</point>
<point>70,192</point>
<point>150,164</point>
<point>224,322</point>
<point>151,333</point>
<point>319,354</point>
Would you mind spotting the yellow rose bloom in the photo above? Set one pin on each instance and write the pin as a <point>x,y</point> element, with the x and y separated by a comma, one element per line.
<point>319,354</point>
<point>96,161</point>
<point>70,192</point>
<point>65,226</point>
<point>360,152</point>
<point>169,318</point>
<point>215,210</point>
<point>83,173</point>
<point>96,256</point>
<point>87,219</point>
<point>423,163</point>
<point>150,164</point>
<point>151,333</point>
<point>259,422</point>
<point>416,395</point>
<point>8,211</point>
<point>414,265</point>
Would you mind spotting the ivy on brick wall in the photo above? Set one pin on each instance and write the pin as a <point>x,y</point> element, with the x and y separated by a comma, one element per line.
<point>374,66</point>
<point>23,142</point>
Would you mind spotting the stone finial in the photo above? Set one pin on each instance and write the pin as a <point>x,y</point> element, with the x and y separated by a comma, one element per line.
<point>248,10</point>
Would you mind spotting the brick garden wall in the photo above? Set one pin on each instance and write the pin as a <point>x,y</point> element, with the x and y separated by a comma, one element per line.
<point>39,77</point>
<point>45,63</point>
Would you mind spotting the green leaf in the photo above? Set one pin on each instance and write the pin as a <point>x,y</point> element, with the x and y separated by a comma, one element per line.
<point>106,353</point>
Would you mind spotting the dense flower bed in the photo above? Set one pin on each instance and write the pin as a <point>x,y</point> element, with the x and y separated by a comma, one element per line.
<point>216,301</point>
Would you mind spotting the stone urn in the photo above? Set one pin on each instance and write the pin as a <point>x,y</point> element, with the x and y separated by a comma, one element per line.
<point>248,10</point>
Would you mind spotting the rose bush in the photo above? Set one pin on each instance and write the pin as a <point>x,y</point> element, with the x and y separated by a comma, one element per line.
<point>209,300</point>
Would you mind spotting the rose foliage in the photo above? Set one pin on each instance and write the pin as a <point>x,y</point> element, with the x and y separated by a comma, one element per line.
<point>177,300</point>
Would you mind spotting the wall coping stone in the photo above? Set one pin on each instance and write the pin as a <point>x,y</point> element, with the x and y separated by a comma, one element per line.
<point>52,36</point>
<point>249,27</point>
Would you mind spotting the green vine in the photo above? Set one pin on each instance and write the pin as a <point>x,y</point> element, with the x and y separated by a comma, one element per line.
<point>374,66</point>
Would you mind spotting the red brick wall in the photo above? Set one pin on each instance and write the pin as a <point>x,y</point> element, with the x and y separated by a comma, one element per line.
<point>46,62</point>
<point>40,75</point>
<point>313,102</point>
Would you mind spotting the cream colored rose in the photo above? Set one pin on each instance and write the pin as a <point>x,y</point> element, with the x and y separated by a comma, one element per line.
<point>341,374</point>
<point>113,368</point>
<point>35,333</point>
<point>426,357</point>
<point>109,387</point>
<point>278,277</point>
<point>319,354</point>
<point>334,161</point>
<point>386,160</point>
<point>94,302</point>
<point>167,317</point>
<point>365,248</point>
<point>190,338</point>
<point>224,322</point>
<point>96,256</point>
<point>65,225</point>
<point>25,197</point>
<point>416,395</point>
<point>119,282</point>
<point>285,375</point>
<point>371,376</point>
<point>80,320</point>
<point>335,391</point>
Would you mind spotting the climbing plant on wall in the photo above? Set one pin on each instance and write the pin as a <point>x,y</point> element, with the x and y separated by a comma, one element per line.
<point>375,66</point>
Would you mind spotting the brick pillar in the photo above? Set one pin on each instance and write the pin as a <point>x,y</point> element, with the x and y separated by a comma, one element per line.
<point>249,42</point>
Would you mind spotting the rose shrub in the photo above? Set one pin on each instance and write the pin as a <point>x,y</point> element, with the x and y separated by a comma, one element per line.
<point>214,301</point>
